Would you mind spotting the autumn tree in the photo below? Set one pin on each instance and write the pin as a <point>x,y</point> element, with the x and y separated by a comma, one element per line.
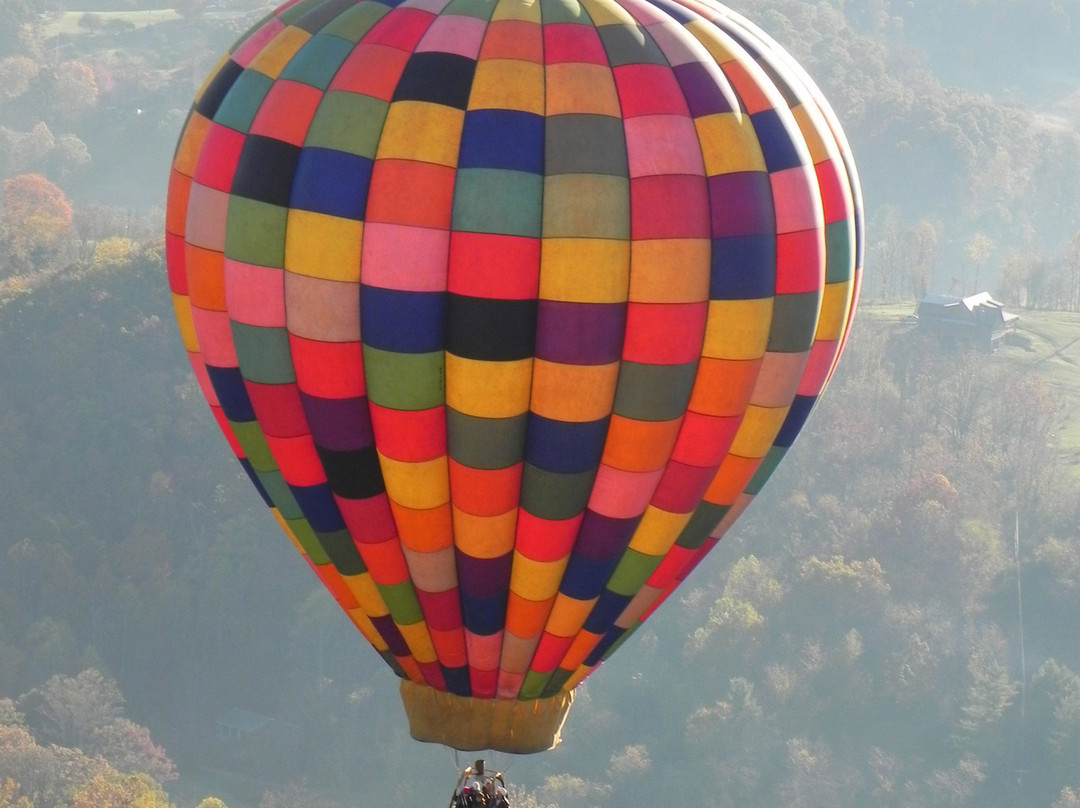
<point>36,219</point>
<point>128,747</point>
<point>10,797</point>
<point>76,87</point>
<point>113,251</point>
<point>44,775</point>
<point>86,711</point>
<point>16,73</point>
<point>113,790</point>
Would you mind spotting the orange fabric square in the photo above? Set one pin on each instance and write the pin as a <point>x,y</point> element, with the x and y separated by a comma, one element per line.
<point>412,193</point>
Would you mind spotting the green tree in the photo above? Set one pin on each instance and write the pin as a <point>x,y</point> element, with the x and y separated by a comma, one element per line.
<point>991,691</point>
<point>18,16</point>
<point>70,711</point>
<point>1055,711</point>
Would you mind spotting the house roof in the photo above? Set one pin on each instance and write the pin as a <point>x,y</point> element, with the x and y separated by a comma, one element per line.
<point>981,299</point>
<point>971,302</point>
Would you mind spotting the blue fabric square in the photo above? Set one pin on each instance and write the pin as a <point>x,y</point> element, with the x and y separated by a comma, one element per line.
<point>743,267</point>
<point>502,138</point>
<point>402,321</point>
<point>331,182</point>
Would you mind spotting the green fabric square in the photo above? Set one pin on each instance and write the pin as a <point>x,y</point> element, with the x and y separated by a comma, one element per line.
<point>255,232</point>
<point>318,60</point>
<point>348,122</point>
<point>263,353</point>
<point>243,100</point>
<point>404,381</point>
<point>356,21</point>
<point>497,200</point>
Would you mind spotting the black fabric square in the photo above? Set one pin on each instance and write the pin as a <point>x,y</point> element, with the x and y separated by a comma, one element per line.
<point>794,322</point>
<point>440,78</point>
<point>353,475</point>
<point>217,89</point>
<point>341,550</point>
<point>316,19</point>
<point>265,170</point>
<point>490,329</point>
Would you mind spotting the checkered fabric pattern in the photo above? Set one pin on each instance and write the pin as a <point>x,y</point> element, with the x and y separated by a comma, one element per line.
<point>510,307</point>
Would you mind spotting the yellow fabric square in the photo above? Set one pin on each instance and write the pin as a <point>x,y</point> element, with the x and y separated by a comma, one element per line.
<point>758,430</point>
<point>367,594</point>
<point>577,676</point>
<point>536,580</point>
<point>729,143</point>
<point>323,246</point>
<point>421,485</point>
<point>658,530</point>
<point>272,59</point>
<point>508,84</point>
<point>719,45</point>
<point>488,389</point>
<point>737,329</point>
<point>418,130</point>
<point>835,306</point>
<point>584,270</point>
<point>811,127</point>
<point>182,308</point>
<point>576,87</point>
<point>419,641</point>
<point>526,10</point>
<point>606,13</point>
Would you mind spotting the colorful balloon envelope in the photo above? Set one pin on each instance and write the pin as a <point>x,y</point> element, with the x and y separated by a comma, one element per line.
<point>509,308</point>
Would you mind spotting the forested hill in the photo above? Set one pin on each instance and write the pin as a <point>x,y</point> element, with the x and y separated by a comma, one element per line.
<point>855,641</point>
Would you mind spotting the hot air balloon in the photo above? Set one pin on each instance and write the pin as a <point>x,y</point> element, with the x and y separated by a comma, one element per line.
<point>509,308</point>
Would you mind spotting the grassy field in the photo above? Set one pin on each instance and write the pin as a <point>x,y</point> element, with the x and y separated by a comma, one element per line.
<point>67,23</point>
<point>1053,353</point>
<point>1047,344</point>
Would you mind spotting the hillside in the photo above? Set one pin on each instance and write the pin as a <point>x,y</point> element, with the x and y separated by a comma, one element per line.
<point>1046,344</point>
<point>855,641</point>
